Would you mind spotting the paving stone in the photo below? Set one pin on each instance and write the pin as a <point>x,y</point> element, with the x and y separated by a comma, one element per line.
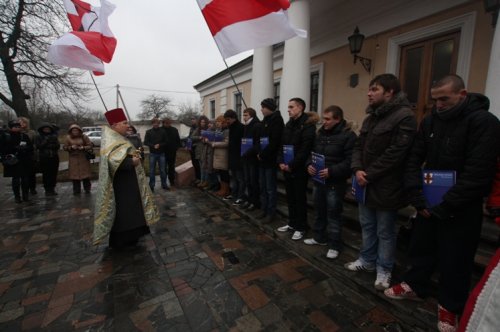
<point>179,278</point>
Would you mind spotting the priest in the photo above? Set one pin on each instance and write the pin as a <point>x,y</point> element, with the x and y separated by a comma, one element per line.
<point>125,206</point>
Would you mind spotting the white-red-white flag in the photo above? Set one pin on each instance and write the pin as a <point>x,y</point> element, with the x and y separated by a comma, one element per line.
<point>241,25</point>
<point>90,43</point>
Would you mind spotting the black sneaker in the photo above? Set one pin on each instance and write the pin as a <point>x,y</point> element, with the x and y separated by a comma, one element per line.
<point>227,198</point>
<point>33,192</point>
<point>250,207</point>
<point>238,202</point>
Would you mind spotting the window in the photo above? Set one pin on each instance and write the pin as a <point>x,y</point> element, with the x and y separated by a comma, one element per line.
<point>237,104</point>
<point>277,94</point>
<point>212,109</point>
<point>313,103</point>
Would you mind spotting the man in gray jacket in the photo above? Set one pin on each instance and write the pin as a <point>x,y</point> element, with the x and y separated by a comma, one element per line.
<point>378,161</point>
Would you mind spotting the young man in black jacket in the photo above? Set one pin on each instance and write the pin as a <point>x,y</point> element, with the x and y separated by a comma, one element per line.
<point>269,147</point>
<point>251,130</point>
<point>173,143</point>
<point>378,161</point>
<point>460,136</point>
<point>234,157</point>
<point>298,135</point>
<point>156,140</point>
<point>334,141</point>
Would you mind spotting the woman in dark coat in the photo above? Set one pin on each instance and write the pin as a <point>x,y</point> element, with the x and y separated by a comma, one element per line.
<point>48,146</point>
<point>16,150</point>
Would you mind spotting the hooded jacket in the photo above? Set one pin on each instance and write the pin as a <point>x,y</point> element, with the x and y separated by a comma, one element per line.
<point>381,151</point>
<point>466,139</point>
<point>47,143</point>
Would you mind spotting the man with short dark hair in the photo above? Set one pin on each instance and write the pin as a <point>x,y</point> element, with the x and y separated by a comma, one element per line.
<point>156,140</point>
<point>269,148</point>
<point>334,141</point>
<point>378,162</point>
<point>234,157</point>
<point>298,139</point>
<point>249,159</point>
<point>173,143</point>
<point>459,136</point>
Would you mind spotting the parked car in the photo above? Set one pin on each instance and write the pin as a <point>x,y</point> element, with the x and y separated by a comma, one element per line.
<point>89,129</point>
<point>95,137</point>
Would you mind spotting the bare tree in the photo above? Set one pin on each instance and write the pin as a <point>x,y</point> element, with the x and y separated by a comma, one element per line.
<point>188,110</point>
<point>27,27</point>
<point>156,106</point>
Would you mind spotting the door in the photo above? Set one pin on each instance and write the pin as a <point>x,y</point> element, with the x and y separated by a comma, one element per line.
<point>423,63</point>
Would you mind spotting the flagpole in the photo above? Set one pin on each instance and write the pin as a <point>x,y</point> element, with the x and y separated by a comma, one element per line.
<point>232,78</point>
<point>119,94</point>
<point>98,92</point>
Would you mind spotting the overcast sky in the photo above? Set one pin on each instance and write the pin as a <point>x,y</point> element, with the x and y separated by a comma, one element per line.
<point>162,45</point>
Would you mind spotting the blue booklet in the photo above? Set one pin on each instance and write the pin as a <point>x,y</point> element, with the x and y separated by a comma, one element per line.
<point>189,144</point>
<point>288,154</point>
<point>264,142</point>
<point>357,191</point>
<point>208,134</point>
<point>218,136</point>
<point>436,183</point>
<point>318,162</point>
<point>246,144</point>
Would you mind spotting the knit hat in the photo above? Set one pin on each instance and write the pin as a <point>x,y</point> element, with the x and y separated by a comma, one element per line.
<point>115,116</point>
<point>269,104</point>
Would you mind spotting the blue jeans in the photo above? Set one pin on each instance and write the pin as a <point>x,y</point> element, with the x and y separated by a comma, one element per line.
<point>378,228</point>
<point>155,158</point>
<point>268,189</point>
<point>328,202</point>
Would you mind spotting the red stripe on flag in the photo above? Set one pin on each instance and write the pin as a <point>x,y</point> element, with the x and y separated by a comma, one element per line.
<point>98,45</point>
<point>221,13</point>
<point>81,8</point>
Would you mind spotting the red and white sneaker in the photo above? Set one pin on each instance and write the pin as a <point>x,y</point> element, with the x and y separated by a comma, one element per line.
<point>447,320</point>
<point>401,291</point>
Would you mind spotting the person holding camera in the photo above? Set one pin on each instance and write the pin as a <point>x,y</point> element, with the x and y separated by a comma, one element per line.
<point>16,150</point>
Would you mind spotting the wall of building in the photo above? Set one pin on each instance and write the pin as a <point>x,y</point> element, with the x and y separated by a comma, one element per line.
<point>338,64</point>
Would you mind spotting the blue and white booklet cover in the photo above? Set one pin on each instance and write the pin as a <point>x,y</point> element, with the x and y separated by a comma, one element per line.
<point>318,162</point>
<point>436,183</point>
<point>189,144</point>
<point>246,144</point>
<point>264,142</point>
<point>357,191</point>
<point>218,136</point>
<point>288,154</point>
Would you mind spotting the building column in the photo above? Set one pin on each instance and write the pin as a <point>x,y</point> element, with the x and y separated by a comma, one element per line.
<point>295,79</point>
<point>262,76</point>
<point>492,90</point>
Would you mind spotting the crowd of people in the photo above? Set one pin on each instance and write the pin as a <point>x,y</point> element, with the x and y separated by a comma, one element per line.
<point>386,161</point>
<point>240,161</point>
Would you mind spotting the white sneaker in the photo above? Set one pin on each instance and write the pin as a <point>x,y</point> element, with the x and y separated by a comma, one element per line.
<point>312,241</point>
<point>332,254</point>
<point>357,265</point>
<point>297,235</point>
<point>285,228</point>
<point>383,280</point>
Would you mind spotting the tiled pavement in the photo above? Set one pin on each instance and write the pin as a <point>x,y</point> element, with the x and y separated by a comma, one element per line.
<point>207,267</point>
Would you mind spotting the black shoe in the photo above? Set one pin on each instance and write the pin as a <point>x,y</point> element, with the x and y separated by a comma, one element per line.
<point>228,197</point>
<point>245,205</point>
<point>76,193</point>
<point>250,207</point>
<point>261,215</point>
<point>165,188</point>
<point>50,193</point>
<point>18,200</point>
<point>238,202</point>
<point>86,191</point>
<point>268,219</point>
<point>33,192</point>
